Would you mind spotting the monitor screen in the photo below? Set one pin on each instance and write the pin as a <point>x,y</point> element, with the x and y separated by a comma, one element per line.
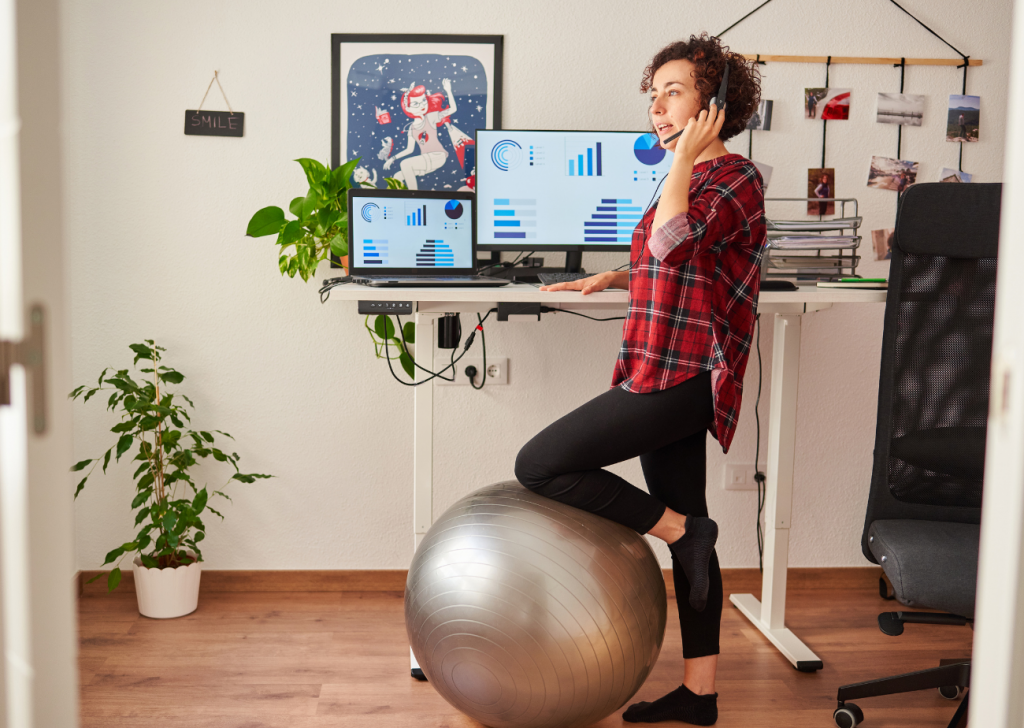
<point>409,231</point>
<point>564,190</point>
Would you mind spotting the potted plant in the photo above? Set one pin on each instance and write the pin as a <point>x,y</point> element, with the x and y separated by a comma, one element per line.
<point>156,425</point>
<point>320,227</point>
<point>319,230</point>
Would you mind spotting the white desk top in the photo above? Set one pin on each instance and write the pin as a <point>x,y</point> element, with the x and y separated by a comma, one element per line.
<point>525,293</point>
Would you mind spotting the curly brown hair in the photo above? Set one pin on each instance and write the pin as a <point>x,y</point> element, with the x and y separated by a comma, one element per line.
<point>709,57</point>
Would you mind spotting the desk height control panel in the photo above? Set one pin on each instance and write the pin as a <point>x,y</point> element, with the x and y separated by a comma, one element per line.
<point>401,308</point>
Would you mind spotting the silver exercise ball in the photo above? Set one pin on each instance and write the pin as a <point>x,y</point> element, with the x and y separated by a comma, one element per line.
<point>522,611</point>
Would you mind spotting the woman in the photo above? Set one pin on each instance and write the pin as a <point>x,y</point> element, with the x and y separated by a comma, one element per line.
<point>693,285</point>
<point>823,190</point>
<point>427,115</point>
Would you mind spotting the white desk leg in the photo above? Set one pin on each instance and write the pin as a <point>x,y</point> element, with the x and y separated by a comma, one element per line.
<point>423,443</point>
<point>769,616</point>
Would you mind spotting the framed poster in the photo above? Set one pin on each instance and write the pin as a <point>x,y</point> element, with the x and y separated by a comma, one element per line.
<point>408,106</point>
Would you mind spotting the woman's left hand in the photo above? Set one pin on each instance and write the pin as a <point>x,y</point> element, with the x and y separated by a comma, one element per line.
<point>698,134</point>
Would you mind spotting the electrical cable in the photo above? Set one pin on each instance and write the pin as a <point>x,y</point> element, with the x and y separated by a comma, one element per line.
<point>483,344</point>
<point>401,329</point>
<point>507,264</point>
<point>643,247</point>
<point>548,309</point>
<point>433,375</point>
<point>329,283</point>
<point>759,477</point>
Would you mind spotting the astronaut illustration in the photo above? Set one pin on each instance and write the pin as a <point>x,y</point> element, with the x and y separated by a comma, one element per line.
<point>423,132</point>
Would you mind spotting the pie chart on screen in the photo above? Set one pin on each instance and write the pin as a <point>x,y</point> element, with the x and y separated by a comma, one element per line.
<point>453,209</point>
<point>647,150</point>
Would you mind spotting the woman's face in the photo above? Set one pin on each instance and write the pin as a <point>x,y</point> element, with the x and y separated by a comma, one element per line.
<point>418,105</point>
<point>674,99</point>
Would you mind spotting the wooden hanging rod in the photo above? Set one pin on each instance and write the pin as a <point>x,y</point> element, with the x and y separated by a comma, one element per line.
<point>872,61</point>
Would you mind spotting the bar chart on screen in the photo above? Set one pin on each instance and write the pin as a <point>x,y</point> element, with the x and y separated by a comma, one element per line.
<point>415,214</point>
<point>613,221</point>
<point>582,159</point>
<point>435,253</point>
<point>515,219</point>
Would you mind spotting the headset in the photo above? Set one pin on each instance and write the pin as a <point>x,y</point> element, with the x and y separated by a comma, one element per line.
<point>718,101</point>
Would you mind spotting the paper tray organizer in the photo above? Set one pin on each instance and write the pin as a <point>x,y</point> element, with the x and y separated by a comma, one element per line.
<point>809,248</point>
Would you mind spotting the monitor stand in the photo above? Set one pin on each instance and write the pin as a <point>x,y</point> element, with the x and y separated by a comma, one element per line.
<point>574,261</point>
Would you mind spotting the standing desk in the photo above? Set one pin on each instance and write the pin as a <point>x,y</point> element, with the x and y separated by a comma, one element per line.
<point>769,614</point>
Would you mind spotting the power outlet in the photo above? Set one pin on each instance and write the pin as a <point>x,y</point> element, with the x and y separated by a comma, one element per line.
<point>497,370</point>
<point>740,477</point>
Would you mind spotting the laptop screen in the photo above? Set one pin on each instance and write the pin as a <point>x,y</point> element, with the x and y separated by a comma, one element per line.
<point>410,232</point>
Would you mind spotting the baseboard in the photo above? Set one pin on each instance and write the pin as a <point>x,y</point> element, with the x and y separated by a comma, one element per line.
<point>322,580</point>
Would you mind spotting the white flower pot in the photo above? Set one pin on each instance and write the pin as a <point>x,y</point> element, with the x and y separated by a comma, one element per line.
<point>167,593</point>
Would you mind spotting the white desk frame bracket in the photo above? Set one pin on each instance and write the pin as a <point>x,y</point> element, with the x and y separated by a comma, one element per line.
<point>769,615</point>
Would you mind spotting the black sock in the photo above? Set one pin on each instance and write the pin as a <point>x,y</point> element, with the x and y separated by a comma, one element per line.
<point>681,704</point>
<point>693,552</point>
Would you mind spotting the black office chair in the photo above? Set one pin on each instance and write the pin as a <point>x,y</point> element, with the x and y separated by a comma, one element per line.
<point>924,509</point>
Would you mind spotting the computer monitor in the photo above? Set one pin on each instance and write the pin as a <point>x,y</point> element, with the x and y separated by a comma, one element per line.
<point>568,191</point>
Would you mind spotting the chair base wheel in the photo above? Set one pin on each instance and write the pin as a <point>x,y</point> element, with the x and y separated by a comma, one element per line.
<point>848,715</point>
<point>950,692</point>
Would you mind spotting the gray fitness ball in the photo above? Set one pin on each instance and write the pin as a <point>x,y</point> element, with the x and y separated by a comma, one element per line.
<point>522,611</point>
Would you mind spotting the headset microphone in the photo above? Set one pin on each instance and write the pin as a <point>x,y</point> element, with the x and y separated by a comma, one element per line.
<point>718,101</point>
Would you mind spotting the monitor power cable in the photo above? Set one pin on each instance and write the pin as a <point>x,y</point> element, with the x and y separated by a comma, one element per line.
<point>759,477</point>
<point>454,361</point>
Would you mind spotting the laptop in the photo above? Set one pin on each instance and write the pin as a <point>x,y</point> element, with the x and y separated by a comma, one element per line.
<point>416,238</point>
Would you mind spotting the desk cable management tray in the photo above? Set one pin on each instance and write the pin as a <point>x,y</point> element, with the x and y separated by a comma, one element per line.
<point>808,248</point>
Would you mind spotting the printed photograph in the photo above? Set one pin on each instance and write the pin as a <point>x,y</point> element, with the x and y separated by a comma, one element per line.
<point>882,241</point>
<point>900,109</point>
<point>953,175</point>
<point>765,170</point>
<point>762,118</point>
<point>892,174</point>
<point>821,184</point>
<point>963,118</point>
<point>827,103</point>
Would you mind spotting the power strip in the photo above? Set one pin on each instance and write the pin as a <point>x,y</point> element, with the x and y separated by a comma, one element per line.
<point>384,307</point>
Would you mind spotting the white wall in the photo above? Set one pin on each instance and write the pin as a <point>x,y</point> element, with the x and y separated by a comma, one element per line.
<point>156,225</point>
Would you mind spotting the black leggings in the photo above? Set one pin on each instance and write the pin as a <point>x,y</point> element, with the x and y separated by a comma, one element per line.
<point>667,430</point>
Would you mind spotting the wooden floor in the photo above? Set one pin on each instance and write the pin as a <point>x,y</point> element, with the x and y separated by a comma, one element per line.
<point>312,660</point>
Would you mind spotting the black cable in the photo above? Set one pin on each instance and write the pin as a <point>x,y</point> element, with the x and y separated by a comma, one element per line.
<point>405,348</point>
<point>643,247</point>
<point>824,122</point>
<point>759,477</point>
<point>505,263</point>
<point>329,283</point>
<point>744,18</point>
<point>548,309</point>
<point>483,343</point>
<point>465,349</point>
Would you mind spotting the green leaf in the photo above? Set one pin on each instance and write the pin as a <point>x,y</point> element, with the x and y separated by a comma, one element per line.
<point>169,521</point>
<point>267,221</point>
<point>282,264</point>
<point>310,204</point>
<point>80,486</point>
<point>384,328</point>
<point>406,361</point>
<point>171,438</point>
<point>148,561</point>
<point>123,443</point>
<point>291,233</point>
<point>114,579</point>
<point>339,244</point>
<point>98,576</point>
<point>80,465</point>
<point>409,332</point>
<point>145,481</point>
<point>141,515</point>
<point>142,497</point>
<point>316,173</point>
<point>295,206</point>
<point>106,457</point>
<point>200,501</point>
<point>206,435</point>
<point>141,352</point>
<point>114,555</point>
<point>125,426</point>
<point>172,377</point>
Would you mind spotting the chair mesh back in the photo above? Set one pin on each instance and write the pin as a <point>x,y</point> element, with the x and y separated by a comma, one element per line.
<point>942,357</point>
<point>936,354</point>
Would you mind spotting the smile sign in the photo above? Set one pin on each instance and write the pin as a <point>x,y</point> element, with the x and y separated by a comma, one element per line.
<point>214,123</point>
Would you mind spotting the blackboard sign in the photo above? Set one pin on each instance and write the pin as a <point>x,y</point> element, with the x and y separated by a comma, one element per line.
<point>214,123</point>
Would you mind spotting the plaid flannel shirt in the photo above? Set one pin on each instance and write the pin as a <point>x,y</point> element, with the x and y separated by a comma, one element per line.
<point>693,295</point>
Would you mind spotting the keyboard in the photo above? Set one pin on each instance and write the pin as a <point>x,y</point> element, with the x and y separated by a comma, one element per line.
<point>549,279</point>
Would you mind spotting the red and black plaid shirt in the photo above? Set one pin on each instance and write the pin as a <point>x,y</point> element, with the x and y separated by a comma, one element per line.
<point>693,295</point>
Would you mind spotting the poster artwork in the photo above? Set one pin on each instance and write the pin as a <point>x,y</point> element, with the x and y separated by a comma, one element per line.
<point>412,117</point>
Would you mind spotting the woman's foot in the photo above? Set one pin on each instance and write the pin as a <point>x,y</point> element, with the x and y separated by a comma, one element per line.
<point>681,704</point>
<point>693,552</point>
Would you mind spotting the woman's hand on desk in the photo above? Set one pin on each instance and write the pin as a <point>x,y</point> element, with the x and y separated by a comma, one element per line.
<point>593,284</point>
